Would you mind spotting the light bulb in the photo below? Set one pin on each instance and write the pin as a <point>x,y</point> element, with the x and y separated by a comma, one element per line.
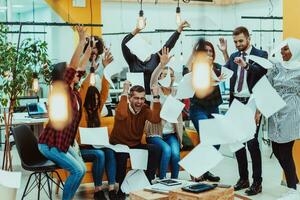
<point>141,20</point>
<point>35,83</point>
<point>181,56</point>
<point>60,113</point>
<point>201,75</point>
<point>92,77</point>
<point>178,16</point>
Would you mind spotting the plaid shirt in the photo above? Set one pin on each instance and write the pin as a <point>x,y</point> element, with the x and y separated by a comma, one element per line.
<point>63,139</point>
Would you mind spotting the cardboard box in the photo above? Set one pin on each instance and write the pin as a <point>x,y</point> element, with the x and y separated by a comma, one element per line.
<point>215,194</point>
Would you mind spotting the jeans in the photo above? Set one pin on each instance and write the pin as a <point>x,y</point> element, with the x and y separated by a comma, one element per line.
<point>170,150</point>
<point>69,161</point>
<point>197,113</point>
<point>101,158</point>
<point>154,154</point>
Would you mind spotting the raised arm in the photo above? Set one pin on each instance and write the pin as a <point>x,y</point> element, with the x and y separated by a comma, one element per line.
<point>223,48</point>
<point>74,63</point>
<point>153,115</point>
<point>129,57</point>
<point>164,59</point>
<point>122,108</point>
<point>174,37</point>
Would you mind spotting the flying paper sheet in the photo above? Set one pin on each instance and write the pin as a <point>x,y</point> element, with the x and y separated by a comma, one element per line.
<point>166,82</point>
<point>94,136</point>
<point>240,120</point>
<point>237,125</point>
<point>119,148</point>
<point>140,47</point>
<point>175,64</point>
<point>10,179</point>
<point>138,158</point>
<point>236,146</point>
<point>135,180</point>
<point>171,109</point>
<point>265,63</point>
<point>267,99</point>
<point>136,78</point>
<point>109,71</point>
<point>227,73</point>
<point>185,88</point>
<point>200,160</point>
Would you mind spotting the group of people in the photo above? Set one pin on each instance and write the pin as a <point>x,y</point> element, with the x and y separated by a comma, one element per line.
<point>134,115</point>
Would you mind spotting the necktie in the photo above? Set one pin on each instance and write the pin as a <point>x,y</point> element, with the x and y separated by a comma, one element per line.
<point>242,73</point>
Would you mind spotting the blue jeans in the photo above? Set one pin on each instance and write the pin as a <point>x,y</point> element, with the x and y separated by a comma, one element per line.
<point>197,113</point>
<point>69,161</point>
<point>170,148</point>
<point>101,158</point>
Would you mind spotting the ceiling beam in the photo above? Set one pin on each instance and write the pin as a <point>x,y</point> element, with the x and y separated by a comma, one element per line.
<point>194,2</point>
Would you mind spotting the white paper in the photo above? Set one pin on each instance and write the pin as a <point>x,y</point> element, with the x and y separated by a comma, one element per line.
<point>140,47</point>
<point>138,158</point>
<point>238,125</point>
<point>136,78</point>
<point>265,63</point>
<point>200,160</point>
<point>267,99</point>
<point>171,109</point>
<point>135,180</point>
<point>166,82</point>
<point>234,147</point>
<point>10,179</point>
<point>109,71</point>
<point>119,148</point>
<point>240,120</point>
<point>94,136</point>
<point>175,64</point>
<point>252,105</point>
<point>227,73</point>
<point>213,132</point>
<point>185,88</point>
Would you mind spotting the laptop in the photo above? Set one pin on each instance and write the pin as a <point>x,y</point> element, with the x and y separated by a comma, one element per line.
<point>37,110</point>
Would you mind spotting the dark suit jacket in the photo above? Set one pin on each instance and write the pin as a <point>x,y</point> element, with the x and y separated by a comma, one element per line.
<point>254,73</point>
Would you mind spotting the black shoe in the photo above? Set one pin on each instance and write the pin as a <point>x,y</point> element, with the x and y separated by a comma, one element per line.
<point>99,195</point>
<point>121,195</point>
<point>210,177</point>
<point>254,189</point>
<point>241,184</point>
<point>112,195</point>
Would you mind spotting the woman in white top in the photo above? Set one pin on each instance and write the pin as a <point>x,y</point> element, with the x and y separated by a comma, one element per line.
<point>166,135</point>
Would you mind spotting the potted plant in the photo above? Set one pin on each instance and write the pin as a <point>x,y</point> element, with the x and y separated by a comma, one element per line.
<point>18,66</point>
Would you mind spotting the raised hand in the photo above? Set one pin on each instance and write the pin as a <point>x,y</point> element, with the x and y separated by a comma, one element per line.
<point>164,56</point>
<point>155,90</point>
<point>240,61</point>
<point>183,25</point>
<point>108,58</point>
<point>81,32</point>
<point>126,87</point>
<point>223,44</point>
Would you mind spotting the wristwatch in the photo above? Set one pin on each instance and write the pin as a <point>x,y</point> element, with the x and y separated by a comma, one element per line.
<point>156,97</point>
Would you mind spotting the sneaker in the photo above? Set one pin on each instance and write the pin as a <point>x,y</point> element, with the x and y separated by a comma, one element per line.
<point>210,177</point>
<point>112,194</point>
<point>290,195</point>
<point>99,195</point>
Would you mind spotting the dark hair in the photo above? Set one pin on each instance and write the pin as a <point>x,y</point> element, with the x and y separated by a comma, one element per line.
<point>207,43</point>
<point>99,45</point>
<point>91,106</point>
<point>58,70</point>
<point>185,70</point>
<point>200,45</point>
<point>239,30</point>
<point>136,88</point>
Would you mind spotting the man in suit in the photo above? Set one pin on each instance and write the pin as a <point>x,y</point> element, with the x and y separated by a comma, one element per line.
<point>246,75</point>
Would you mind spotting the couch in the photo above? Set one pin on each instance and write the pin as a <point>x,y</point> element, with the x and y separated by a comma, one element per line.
<point>108,122</point>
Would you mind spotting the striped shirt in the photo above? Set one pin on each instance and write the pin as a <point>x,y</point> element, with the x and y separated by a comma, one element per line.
<point>284,126</point>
